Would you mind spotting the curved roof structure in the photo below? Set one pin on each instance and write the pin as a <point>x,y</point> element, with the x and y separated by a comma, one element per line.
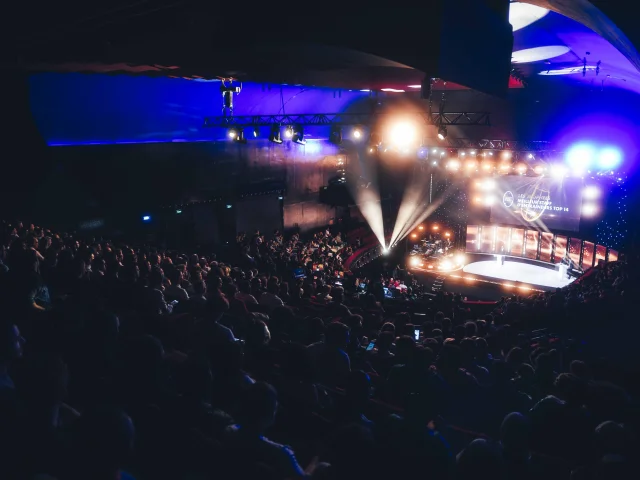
<point>178,39</point>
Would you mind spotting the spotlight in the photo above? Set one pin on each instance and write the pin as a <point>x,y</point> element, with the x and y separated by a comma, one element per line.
<point>506,154</point>
<point>357,133</point>
<point>442,132</point>
<point>539,169</point>
<point>505,167</point>
<point>436,227</point>
<point>385,251</point>
<point>471,165</point>
<point>274,136</point>
<point>423,153</point>
<point>447,234</point>
<point>415,262</point>
<point>580,157</point>
<point>228,206</point>
<point>146,218</point>
<point>460,259</point>
<point>521,168</point>
<point>256,132</point>
<point>589,210</point>
<point>288,132</point>
<point>489,200</point>
<point>609,158</point>
<point>403,134</point>
<point>335,136</point>
<point>178,211</point>
<point>488,185</point>
<point>453,165</point>
<point>421,227</point>
<point>298,135</point>
<point>237,135</point>
<point>414,235</point>
<point>446,265</point>
<point>487,166</point>
<point>591,192</point>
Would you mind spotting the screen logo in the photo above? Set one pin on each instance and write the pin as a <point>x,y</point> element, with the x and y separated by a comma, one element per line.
<point>507,199</point>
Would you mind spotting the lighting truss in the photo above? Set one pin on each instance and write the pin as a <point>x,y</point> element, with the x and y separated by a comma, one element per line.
<point>513,145</point>
<point>320,119</point>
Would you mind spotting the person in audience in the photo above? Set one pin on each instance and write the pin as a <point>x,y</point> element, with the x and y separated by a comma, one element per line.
<point>329,357</point>
<point>246,439</point>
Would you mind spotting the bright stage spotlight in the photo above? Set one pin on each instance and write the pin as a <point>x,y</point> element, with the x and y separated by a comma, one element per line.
<point>288,132</point>
<point>589,210</point>
<point>357,133</point>
<point>447,234</point>
<point>298,135</point>
<point>414,261</point>
<point>609,158</point>
<point>414,235</point>
<point>489,200</point>
<point>591,192</point>
<point>275,136</point>
<point>436,228</point>
<point>471,165</point>
<point>506,154</point>
<point>460,259</point>
<point>256,132</point>
<point>385,251</point>
<point>453,165</point>
<point>423,153</point>
<point>488,184</point>
<point>539,169</point>
<point>446,265</point>
<point>580,157</point>
<point>237,135</point>
<point>487,165</point>
<point>421,227</point>
<point>504,167</point>
<point>558,171</point>
<point>403,134</point>
<point>521,168</point>
<point>442,132</point>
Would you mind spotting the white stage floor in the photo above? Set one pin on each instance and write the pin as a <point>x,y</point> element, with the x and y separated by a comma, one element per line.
<point>518,272</point>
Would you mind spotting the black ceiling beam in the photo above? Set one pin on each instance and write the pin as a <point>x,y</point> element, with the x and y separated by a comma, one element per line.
<point>319,119</point>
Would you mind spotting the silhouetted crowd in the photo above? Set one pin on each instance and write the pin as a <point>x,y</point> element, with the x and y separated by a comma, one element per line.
<point>121,361</point>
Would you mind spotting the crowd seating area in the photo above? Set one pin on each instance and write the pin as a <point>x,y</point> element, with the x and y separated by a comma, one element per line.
<point>121,361</point>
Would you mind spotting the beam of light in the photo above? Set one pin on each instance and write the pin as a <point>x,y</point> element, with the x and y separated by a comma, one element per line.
<point>580,157</point>
<point>368,199</point>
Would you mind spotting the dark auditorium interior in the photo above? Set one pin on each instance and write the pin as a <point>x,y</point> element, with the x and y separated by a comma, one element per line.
<point>330,241</point>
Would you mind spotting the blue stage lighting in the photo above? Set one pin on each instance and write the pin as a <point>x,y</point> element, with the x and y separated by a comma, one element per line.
<point>609,158</point>
<point>581,156</point>
<point>146,218</point>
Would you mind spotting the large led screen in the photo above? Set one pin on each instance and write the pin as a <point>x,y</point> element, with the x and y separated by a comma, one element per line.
<point>538,202</point>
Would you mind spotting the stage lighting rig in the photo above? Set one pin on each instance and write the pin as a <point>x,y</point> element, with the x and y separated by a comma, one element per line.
<point>228,88</point>
<point>298,135</point>
<point>335,136</point>
<point>288,132</point>
<point>274,136</point>
<point>442,132</point>
<point>237,135</point>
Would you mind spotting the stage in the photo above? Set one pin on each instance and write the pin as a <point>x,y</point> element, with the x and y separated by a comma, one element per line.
<point>524,273</point>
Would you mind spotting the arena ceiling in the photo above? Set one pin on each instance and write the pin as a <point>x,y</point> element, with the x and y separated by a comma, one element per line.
<point>573,41</point>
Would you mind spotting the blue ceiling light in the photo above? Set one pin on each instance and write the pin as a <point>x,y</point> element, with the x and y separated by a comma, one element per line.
<point>146,218</point>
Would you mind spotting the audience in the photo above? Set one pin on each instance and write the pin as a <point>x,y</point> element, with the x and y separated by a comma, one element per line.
<point>136,362</point>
